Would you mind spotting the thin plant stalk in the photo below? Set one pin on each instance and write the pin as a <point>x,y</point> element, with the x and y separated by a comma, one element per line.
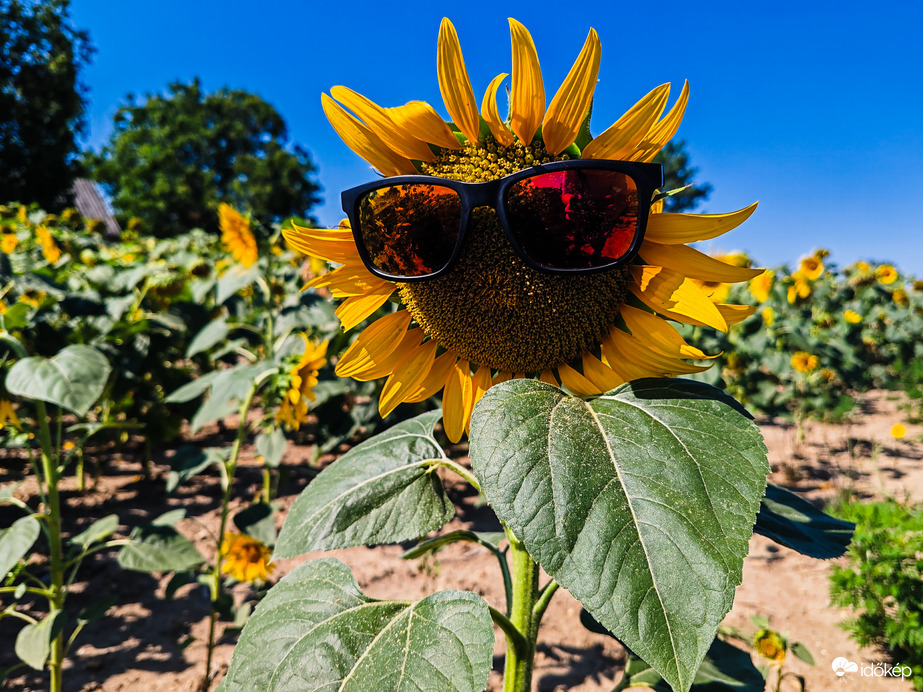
<point>520,660</point>
<point>227,482</point>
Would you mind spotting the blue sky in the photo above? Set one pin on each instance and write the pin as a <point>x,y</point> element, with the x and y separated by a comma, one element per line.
<point>813,108</point>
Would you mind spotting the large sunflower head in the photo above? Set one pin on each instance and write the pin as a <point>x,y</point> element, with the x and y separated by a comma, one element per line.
<point>492,317</point>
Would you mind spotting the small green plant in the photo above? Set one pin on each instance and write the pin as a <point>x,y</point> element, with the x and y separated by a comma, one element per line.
<point>883,580</point>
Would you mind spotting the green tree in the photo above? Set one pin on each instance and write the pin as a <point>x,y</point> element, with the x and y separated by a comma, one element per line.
<point>172,159</point>
<point>42,100</point>
<point>677,174</point>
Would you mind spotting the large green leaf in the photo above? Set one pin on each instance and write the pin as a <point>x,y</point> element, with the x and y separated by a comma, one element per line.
<point>33,643</point>
<point>384,490</point>
<point>794,522</point>
<point>73,379</point>
<point>98,531</point>
<point>15,542</point>
<point>154,548</point>
<point>640,502</point>
<point>213,332</point>
<point>316,630</point>
<point>234,279</point>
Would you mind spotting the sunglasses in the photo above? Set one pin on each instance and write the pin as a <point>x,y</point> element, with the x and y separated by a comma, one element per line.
<point>561,217</point>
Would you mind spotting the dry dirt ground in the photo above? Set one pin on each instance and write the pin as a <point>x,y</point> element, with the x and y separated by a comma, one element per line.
<point>146,643</point>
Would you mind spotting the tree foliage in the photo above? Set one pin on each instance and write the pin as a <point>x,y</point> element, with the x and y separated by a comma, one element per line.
<point>173,158</point>
<point>678,173</point>
<point>42,100</point>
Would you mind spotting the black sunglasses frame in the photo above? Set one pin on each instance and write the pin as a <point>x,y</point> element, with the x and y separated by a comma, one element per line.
<point>648,177</point>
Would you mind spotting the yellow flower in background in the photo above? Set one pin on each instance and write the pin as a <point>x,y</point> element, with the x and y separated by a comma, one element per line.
<point>492,317</point>
<point>852,316</point>
<point>761,285</point>
<point>886,274</point>
<point>828,374</point>
<point>245,558</point>
<point>50,249</point>
<point>294,409</point>
<point>8,243</point>
<point>769,316</point>
<point>22,215</point>
<point>236,235</point>
<point>32,297</point>
<point>862,267</point>
<point>900,297</point>
<point>8,414</point>
<point>800,289</point>
<point>770,645</point>
<point>822,253</point>
<point>898,431</point>
<point>805,362</point>
<point>811,268</point>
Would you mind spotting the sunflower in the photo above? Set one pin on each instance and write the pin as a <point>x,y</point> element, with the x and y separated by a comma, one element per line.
<point>8,415</point>
<point>886,274</point>
<point>302,378</point>
<point>492,317</point>
<point>236,235</point>
<point>812,268</point>
<point>50,249</point>
<point>852,316</point>
<point>8,242</point>
<point>805,362</point>
<point>245,558</point>
<point>770,645</point>
<point>761,285</point>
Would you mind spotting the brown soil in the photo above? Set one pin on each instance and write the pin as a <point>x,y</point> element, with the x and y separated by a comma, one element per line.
<point>147,643</point>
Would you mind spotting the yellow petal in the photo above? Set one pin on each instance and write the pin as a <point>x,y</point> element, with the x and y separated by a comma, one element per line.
<point>600,374</point>
<point>624,134</point>
<point>363,141</point>
<point>490,114</point>
<point>676,229</point>
<point>349,280</point>
<point>502,377</point>
<point>435,379</point>
<point>663,131</point>
<point>407,347</point>
<point>330,244</point>
<point>631,349</point>
<point>569,106</point>
<point>733,314</point>
<point>625,368</point>
<point>481,381</point>
<point>375,344</point>
<point>454,83</point>
<point>548,378</point>
<point>353,310</point>
<point>379,121</point>
<point>694,264</point>
<point>457,400</point>
<point>674,295</point>
<point>527,95</point>
<point>420,120</point>
<point>575,382</point>
<point>657,335</point>
<point>406,379</point>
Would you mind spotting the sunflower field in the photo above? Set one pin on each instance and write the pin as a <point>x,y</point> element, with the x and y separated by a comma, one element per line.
<point>560,395</point>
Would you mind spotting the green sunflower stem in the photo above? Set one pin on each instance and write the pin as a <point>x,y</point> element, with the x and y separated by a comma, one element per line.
<point>48,472</point>
<point>520,653</point>
<point>227,482</point>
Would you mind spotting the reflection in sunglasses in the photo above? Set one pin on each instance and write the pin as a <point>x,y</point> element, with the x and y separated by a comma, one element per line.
<point>410,230</point>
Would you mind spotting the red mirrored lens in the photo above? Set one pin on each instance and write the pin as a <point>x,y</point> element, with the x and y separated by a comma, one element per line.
<point>410,230</point>
<point>574,219</point>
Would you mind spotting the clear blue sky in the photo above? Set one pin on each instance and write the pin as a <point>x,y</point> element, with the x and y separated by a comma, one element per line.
<point>813,108</point>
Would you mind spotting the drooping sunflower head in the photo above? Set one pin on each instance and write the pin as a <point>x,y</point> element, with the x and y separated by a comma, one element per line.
<point>245,558</point>
<point>492,316</point>
<point>237,236</point>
